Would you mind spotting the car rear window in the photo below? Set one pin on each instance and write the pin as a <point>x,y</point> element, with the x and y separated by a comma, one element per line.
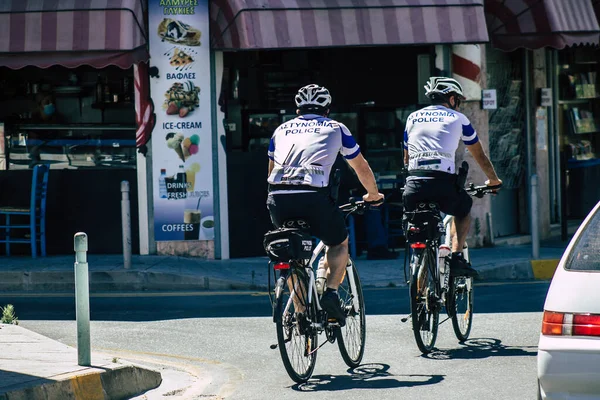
<point>586,252</point>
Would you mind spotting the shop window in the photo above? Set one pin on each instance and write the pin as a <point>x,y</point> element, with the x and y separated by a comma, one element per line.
<point>579,126</point>
<point>69,118</point>
<point>507,122</point>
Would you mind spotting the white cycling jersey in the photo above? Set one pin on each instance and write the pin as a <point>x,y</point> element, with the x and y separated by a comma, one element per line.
<point>432,136</point>
<point>305,148</point>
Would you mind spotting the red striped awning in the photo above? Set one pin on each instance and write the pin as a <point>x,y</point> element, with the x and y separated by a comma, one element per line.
<point>71,33</point>
<point>278,24</point>
<point>534,24</point>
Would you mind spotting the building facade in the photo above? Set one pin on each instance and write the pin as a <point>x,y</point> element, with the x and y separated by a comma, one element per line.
<point>180,99</point>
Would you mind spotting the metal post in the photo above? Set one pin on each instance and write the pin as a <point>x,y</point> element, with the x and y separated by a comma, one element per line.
<point>126,224</point>
<point>82,300</point>
<point>535,236</point>
<point>488,217</point>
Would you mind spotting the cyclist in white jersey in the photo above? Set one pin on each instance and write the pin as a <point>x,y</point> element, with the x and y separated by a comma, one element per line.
<point>302,152</point>
<point>431,138</point>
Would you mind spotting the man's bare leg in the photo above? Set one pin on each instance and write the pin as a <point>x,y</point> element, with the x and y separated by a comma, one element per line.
<point>459,230</point>
<point>336,259</point>
<point>300,294</point>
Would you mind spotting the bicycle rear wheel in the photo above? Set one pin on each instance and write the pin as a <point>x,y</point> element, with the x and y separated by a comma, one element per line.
<point>351,338</point>
<point>461,296</point>
<point>424,304</point>
<point>296,337</point>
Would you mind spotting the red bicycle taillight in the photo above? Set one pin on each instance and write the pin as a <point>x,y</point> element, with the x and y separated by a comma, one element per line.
<point>552,324</point>
<point>418,245</point>
<point>281,265</point>
<point>586,325</point>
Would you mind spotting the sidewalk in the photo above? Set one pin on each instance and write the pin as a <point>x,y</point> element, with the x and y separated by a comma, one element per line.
<point>35,367</point>
<point>168,273</point>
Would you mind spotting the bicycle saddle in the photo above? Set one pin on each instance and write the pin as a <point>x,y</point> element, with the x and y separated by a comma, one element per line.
<point>298,223</point>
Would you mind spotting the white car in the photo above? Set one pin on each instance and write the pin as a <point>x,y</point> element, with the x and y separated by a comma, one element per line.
<point>568,361</point>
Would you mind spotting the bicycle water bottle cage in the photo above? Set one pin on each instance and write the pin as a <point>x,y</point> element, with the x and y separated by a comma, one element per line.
<point>424,223</point>
<point>285,244</point>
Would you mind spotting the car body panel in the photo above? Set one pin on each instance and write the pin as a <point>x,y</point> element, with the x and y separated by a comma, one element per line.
<point>569,366</point>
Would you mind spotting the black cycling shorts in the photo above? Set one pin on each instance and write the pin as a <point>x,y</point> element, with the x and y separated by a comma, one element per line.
<point>444,191</point>
<point>318,209</point>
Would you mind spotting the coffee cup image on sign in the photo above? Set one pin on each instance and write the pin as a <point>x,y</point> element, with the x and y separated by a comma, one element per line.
<point>192,220</point>
<point>177,32</point>
<point>207,227</point>
<point>182,98</point>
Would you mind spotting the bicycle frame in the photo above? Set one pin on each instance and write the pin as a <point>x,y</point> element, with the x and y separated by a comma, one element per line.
<point>312,282</point>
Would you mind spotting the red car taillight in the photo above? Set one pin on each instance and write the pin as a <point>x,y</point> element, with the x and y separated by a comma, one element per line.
<point>568,324</point>
<point>281,265</point>
<point>586,325</point>
<point>552,324</point>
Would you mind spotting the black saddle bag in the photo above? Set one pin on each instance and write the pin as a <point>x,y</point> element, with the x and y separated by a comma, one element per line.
<point>285,244</point>
<point>423,224</point>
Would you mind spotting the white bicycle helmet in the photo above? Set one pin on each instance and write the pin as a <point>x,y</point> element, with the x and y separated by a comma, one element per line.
<point>313,96</point>
<point>444,86</point>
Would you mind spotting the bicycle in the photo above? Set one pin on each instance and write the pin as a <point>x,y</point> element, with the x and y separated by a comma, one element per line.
<point>297,311</point>
<point>430,286</point>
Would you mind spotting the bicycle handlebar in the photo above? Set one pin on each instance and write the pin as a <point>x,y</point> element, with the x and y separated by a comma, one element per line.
<point>358,206</point>
<point>480,191</point>
<point>475,191</point>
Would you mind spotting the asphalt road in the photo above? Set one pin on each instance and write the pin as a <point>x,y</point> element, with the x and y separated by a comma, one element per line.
<point>489,298</point>
<point>225,339</point>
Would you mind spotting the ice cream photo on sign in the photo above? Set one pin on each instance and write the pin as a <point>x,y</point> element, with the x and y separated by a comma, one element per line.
<point>190,145</point>
<point>174,141</point>
<point>184,147</point>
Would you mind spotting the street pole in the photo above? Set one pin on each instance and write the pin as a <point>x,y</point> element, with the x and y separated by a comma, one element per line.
<point>82,300</point>
<point>535,235</point>
<point>126,224</point>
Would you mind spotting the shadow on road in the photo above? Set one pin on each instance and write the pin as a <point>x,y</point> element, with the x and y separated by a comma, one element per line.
<point>368,376</point>
<point>482,348</point>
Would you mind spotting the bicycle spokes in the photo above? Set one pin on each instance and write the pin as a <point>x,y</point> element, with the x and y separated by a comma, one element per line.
<point>296,337</point>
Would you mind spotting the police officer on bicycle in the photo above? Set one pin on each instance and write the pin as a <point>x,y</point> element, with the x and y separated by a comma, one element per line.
<point>302,152</point>
<point>431,138</point>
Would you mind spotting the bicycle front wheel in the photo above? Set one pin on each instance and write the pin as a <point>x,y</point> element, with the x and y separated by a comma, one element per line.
<point>296,337</point>
<point>424,301</point>
<point>351,338</point>
<point>461,296</point>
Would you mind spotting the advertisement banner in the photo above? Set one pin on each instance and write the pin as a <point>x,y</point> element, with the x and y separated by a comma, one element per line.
<point>181,140</point>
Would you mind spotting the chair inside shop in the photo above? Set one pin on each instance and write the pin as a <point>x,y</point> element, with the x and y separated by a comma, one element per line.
<point>391,212</point>
<point>36,213</point>
<point>394,208</point>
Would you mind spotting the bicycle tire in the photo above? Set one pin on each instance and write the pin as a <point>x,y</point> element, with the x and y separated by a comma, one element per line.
<point>424,306</point>
<point>351,337</point>
<point>296,339</point>
<point>461,293</point>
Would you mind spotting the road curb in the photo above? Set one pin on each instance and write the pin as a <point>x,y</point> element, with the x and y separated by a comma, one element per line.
<point>544,269</point>
<point>514,270</point>
<point>122,382</point>
<point>107,281</point>
<point>141,281</point>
